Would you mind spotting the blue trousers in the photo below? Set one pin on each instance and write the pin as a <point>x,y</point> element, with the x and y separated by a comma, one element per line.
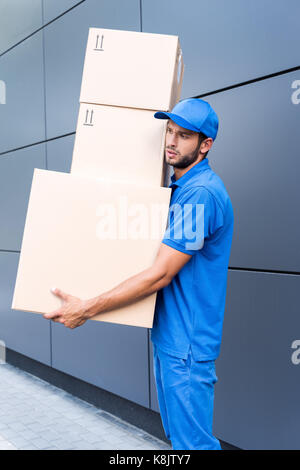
<point>185,390</point>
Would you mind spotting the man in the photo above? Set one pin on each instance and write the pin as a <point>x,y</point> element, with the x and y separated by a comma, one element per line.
<point>190,277</point>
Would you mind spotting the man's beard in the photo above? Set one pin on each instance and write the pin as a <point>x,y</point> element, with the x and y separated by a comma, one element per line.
<point>185,161</point>
<point>188,159</point>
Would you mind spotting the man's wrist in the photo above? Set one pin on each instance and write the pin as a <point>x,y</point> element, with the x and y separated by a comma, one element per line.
<point>92,307</point>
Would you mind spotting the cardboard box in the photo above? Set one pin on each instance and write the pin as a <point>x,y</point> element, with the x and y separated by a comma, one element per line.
<point>132,69</point>
<point>123,144</point>
<point>85,236</point>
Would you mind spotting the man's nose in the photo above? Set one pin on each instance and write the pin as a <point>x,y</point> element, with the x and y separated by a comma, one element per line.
<point>171,140</point>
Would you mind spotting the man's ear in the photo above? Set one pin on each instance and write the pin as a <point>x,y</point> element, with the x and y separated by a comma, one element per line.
<point>206,144</point>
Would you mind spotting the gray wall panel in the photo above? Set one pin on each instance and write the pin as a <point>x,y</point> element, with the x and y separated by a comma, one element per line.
<point>257,394</point>
<point>22,117</point>
<point>65,44</point>
<point>24,332</point>
<point>256,153</point>
<point>113,357</point>
<point>227,41</point>
<point>59,153</point>
<point>18,19</point>
<point>54,8</point>
<point>16,171</point>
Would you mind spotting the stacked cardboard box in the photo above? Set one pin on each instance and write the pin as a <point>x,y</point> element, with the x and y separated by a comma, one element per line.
<point>126,77</point>
<point>87,231</point>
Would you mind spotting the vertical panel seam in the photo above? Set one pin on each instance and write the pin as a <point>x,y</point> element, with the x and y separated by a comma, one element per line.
<point>46,158</point>
<point>149,367</point>
<point>148,331</point>
<point>44,83</point>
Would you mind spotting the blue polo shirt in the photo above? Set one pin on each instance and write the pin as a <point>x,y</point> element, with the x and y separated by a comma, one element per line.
<point>189,311</point>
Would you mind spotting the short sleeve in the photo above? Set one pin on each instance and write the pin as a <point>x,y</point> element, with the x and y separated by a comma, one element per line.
<point>195,217</point>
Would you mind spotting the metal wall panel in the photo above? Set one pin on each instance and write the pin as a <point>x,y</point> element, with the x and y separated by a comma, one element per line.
<point>59,154</point>
<point>110,356</point>
<point>18,19</point>
<point>24,332</point>
<point>22,117</point>
<point>256,153</point>
<point>65,44</point>
<point>16,171</point>
<point>257,394</point>
<point>227,41</point>
<point>54,8</point>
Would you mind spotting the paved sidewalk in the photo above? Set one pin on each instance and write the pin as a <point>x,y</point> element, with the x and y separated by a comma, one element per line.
<point>39,416</point>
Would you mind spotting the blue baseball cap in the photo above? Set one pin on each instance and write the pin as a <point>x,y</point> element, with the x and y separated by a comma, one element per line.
<point>193,114</point>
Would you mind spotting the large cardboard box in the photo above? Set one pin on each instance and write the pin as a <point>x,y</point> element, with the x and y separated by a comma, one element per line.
<point>132,69</point>
<point>85,236</point>
<point>124,144</point>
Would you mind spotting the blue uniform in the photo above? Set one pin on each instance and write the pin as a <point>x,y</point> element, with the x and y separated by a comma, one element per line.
<point>187,327</point>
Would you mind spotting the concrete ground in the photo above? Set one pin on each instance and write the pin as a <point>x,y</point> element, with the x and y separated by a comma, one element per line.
<point>35,415</point>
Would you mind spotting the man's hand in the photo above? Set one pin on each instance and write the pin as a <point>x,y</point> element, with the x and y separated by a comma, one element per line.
<point>73,311</point>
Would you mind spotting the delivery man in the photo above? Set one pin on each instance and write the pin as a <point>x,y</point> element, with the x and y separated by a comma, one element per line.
<point>189,275</point>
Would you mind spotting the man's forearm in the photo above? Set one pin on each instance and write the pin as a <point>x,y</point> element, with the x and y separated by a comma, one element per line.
<point>131,290</point>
